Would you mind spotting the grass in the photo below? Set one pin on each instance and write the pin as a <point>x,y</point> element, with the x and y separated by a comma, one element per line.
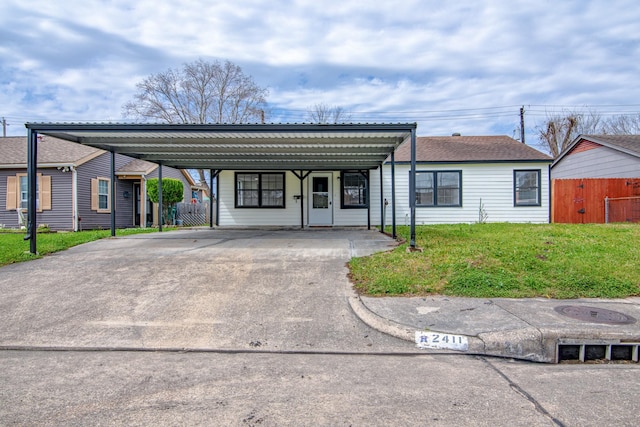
<point>16,249</point>
<point>508,260</point>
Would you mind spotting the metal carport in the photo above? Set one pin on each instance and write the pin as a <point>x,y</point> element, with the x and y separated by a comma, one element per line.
<point>299,148</point>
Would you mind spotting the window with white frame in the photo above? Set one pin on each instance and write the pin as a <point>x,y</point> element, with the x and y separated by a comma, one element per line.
<point>103,194</point>
<point>438,188</point>
<point>526,187</point>
<point>24,193</point>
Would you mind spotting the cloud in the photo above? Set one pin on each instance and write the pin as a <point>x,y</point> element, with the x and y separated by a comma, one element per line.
<point>451,66</point>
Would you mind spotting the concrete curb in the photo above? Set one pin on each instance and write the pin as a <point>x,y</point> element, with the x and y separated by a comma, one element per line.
<point>526,344</point>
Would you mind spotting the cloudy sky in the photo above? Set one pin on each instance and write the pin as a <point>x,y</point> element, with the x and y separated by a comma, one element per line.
<point>451,66</point>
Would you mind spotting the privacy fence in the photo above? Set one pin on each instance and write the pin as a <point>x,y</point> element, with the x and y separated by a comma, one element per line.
<point>595,200</point>
<point>193,214</point>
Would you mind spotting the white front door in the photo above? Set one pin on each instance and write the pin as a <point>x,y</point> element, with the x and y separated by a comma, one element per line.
<point>320,200</point>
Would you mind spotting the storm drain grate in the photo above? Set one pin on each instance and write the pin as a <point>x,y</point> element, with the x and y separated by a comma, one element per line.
<point>586,351</point>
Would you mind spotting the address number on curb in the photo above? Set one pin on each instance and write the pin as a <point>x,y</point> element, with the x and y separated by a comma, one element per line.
<point>442,341</point>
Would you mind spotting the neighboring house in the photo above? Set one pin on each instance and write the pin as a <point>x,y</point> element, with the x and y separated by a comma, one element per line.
<point>594,168</point>
<point>464,179</point>
<point>459,179</point>
<point>74,185</point>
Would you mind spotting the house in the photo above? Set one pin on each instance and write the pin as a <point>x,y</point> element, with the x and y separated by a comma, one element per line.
<point>464,179</point>
<point>459,179</point>
<point>74,185</point>
<point>597,180</point>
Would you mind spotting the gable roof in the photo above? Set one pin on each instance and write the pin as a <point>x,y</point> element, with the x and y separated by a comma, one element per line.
<point>137,167</point>
<point>629,144</point>
<point>52,152</point>
<point>469,149</point>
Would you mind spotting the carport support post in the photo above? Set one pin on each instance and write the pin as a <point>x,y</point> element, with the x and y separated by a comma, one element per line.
<point>218,195</point>
<point>301,177</point>
<point>381,201</point>
<point>393,194</point>
<point>210,198</point>
<point>32,167</point>
<point>412,189</point>
<point>113,194</point>
<point>160,221</point>
<point>366,177</point>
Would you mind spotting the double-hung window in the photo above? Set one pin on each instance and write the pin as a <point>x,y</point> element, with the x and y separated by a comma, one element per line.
<point>354,189</point>
<point>260,190</point>
<point>526,187</point>
<point>438,188</point>
<point>101,195</point>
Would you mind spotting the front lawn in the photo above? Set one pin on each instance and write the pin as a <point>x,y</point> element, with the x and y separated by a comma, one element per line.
<point>508,260</point>
<point>15,249</point>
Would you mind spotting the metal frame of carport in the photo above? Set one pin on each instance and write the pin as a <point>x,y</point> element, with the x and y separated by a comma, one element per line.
<point>316,147</point>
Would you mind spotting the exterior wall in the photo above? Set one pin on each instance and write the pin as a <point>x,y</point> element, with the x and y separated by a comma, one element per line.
<point>491,182</point>
<point>101,167</point>
<point>290,215</point>
<point>60,217</point>
<point>600,162</point>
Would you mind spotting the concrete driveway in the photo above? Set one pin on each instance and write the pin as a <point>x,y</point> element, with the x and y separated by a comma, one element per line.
<point>271,290</point>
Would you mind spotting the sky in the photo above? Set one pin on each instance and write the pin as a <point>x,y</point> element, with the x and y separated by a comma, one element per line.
<point>450,66</point>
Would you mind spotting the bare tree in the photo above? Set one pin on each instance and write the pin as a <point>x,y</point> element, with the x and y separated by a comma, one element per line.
<point>200,92</point>
<point>559,130</point>
<point>622,125</point>
<point>324,114</point>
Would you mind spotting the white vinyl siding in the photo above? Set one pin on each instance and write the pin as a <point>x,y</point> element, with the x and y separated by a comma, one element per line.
<point>490,182</point>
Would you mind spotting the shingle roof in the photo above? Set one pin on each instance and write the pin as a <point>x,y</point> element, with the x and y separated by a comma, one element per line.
<point>627,143</point>
<point>13,151</point>
<point>137,167</point>
<point>469,149</point>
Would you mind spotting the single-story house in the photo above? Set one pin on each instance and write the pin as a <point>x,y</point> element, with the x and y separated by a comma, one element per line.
<point>464,179</point>
<point>597,180</point>
<point>74,185</point>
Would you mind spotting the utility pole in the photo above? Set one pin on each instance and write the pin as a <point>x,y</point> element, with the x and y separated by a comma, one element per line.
<point>522,124</point>
<point>4,127</point>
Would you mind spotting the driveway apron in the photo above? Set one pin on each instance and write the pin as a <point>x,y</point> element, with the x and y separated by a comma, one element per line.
<point>201,289</point>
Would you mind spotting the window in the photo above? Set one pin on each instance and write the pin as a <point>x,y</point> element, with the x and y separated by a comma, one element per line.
<point>24,193</point>
<point>17,195</point>
<point>354,189</point>
<point>260,190</point>
<point>438,188</point>
<point>101,195</point>
<point>526,187</point>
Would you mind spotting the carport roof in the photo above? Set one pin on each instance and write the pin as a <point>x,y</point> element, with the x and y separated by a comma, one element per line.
<point>243,146</point>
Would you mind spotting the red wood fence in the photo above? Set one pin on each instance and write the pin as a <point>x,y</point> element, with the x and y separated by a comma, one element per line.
<point>582,200</point>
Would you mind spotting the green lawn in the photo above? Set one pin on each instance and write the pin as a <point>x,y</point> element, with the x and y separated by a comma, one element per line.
<point>16,249</point>
<point>508,260</point>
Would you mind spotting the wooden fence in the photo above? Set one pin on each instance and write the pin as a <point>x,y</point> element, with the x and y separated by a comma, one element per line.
<point>583,200</point>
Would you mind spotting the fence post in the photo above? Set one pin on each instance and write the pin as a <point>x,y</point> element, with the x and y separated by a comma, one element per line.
<point>606,210</point>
